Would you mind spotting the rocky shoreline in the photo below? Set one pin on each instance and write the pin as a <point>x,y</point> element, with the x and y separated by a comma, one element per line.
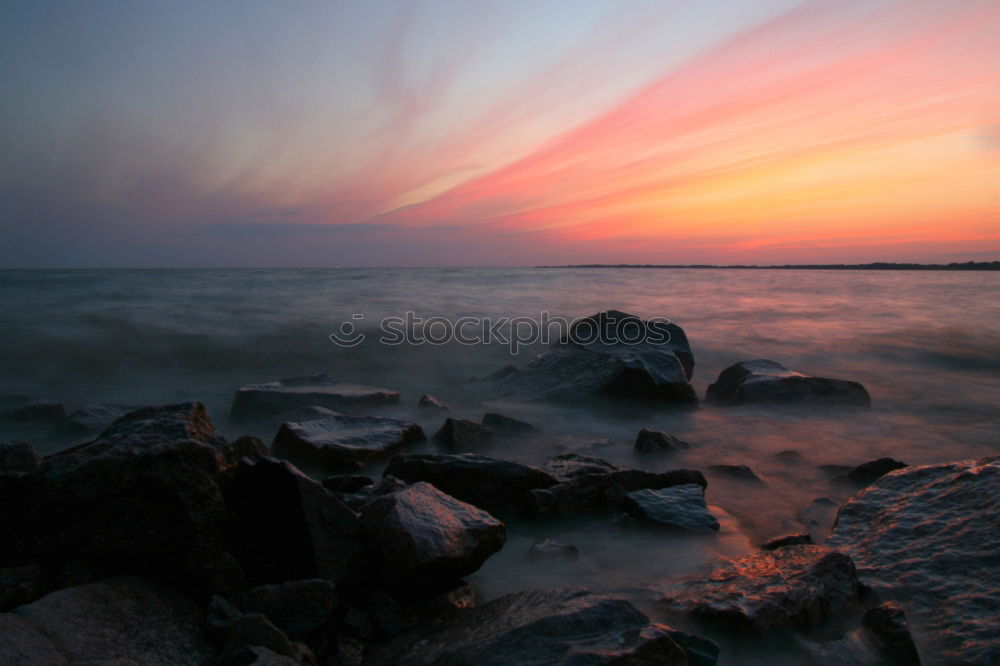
<point>157,540</point>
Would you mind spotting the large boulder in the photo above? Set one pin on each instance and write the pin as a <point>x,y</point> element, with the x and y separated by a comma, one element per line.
<point>679,507</point>
<point>116,621</point>
<point>792,588</point>
<point>493,485</point>
<point>260,401</point>
<point>599,360</point>
<point>426,538</point>
<point>929,537</point>
<point>764,381</point>
<point>334,441</point>
<point>537,628</point>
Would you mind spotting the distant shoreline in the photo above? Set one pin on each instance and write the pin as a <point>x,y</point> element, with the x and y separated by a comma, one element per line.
<point>878,266</point>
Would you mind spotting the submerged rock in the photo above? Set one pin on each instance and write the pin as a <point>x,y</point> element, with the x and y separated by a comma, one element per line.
<point>869,472</point>
<point>787,540</point>
<point>741,472</point>
<point>488,483</point>
<point>537,628</point>
<point>259,401</point>
<point>651,441</point>
<point>463,435</point>
<point>929,537</point>
<point>429,403</point>
<point>764,381</point>
<point>553,548</point>
<point>506,425</point>
<point>334,441</point>
<point>886,627</point>
<point>18,457</point>
<point>793,588</point>
<point>118,620</point>
<point>95,418</point>
<point>682,507</point>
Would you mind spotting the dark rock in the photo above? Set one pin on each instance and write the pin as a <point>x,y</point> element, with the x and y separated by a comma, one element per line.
<point>28,583</point>
<point>503,372</point>
<point>793,588</point>
<point>425,537</point>
<point>95,418</point>
<point>835,471</point>
<point>818,518</point>
<point>430,403</point>
<point>789,457</point>
<point>459,596</point>
<point>219,618</point>
<point>536,627</point>
<point>46,413</point>
<point>570,465</point>
<point>283,526</point>
<point>651,441</point>
<point>248,447</point>
<point>493,485</point>
<point>886,627</point>
<point>299,608</point>
<point>384,486</point>
<point>346,483</point>
<point>18,457</point>
<point>307,413</point>
<point>869,472</point>
<point>506,425</point>
<point>336,440</point>
<point>463,435</point>
<point>682,507</point>
<point>787,540</point>
<point>741,472</point>
<point>553,548</point>
<point>700,651</point>
<point>764,381</point>
<point>260,401</point>
<point>116,621</point>
<point>256,631</point>
<point>928,537</point>
<point>255,655</point>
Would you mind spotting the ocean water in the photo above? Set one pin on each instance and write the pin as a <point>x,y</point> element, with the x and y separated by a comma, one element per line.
<point>925,344</point>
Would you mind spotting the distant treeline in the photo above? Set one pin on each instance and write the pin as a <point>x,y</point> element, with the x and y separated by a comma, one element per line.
<point>877,266</point>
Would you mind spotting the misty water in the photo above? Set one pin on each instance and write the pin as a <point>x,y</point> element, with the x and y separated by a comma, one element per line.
<point>925,344</point>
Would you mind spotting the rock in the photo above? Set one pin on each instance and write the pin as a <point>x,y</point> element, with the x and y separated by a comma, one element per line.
<point>46,413</point>
<point>462,435</point>
<point>553,548</point>
<point>95,418</point>
<point>255,630</point>
<point>651,441</point>
<point>789,457</point>
<point>818,518</point>
<point>116,621</point>
<point>538,627</point>
<point>835,471</point>
<point>28,583</point>
<point>346,483</point>
<point>299,608</point>
<point>571,465</point>
<point>928,537</point>
<point>741,472</point>
<point>425,537</point>
<point>260,401</point>
<point>247,655</point>
<point>793,588</point>
<point>337,440</point>
<point>283,526</point>
<point>682,507</point>
<point>307,413</point>
<point>869,472</point>
<point>429,403</point>
<point>493,485</point>
<point>764,381</point>
<point>18,457</point>
<point>506,425</point>
<point>886,627</point>
<point>786,540</point>
<point>503,372</point>
<point>700,651</point>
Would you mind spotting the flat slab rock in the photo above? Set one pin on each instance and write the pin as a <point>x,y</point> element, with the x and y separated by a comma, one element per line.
<point>260,401</point>
<point>538,628</point>
<point>764,381</point>
<point>117,621</point>
<point>792,588</point>
<point>338,439</point>
<point>929,538</point>
<point>681,507</point>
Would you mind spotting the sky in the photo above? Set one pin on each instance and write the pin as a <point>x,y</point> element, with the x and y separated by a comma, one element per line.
<point>498,132</point>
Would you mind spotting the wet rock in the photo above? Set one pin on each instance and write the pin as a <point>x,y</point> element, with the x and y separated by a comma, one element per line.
<point>425,537</point>
<point>787,540</point>
<point>429,403</point>
<point>790,457</point>
<point>18,457</point>
<point>493,485</point>
<point>682,507</point>
<point>463,435</point>
<point>553,548</point>
<point>259,401</point>
<point>298,608</point>
<point>283,526</point>
<point>346,483</point>
<point>793,588</point>
<point>384,486</point>
<point>928,537</point>
<point>536,627</point>
<point>764,381</point>
<point>741,472</point>
<point>44,413</point>
<point>119,620</point>
<point>570,465</point>
<point>651,441</point>
<point>94,418</point>
<point>886,627</point>
<point>700,651</point>
<point>835,471</point>
<point>869,472</point>
<point>506,425</point>
<point>334,441</point>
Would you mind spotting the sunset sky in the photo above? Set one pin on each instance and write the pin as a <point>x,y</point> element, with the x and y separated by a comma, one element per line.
<point>507,132</point>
